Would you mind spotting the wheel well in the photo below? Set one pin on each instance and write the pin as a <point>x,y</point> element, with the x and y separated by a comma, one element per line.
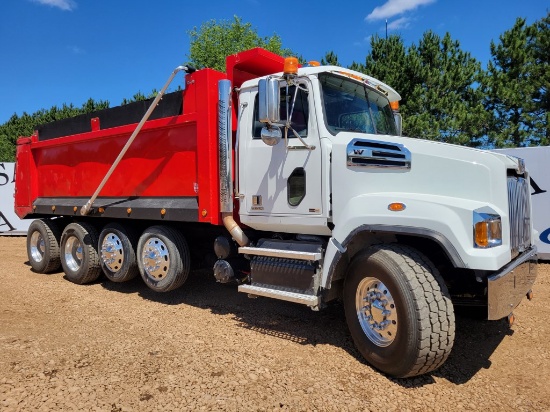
<point>432,249</point>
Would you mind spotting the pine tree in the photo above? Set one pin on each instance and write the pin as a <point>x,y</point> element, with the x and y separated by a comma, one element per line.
<point>437,82</point>
<point>330,59</point>
<point>443,100</point>
<point>386,62</point>
<point>541,52</point>
<point>516,86</point>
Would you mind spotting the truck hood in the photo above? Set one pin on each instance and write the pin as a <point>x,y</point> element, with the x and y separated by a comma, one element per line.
<point>436,169</point>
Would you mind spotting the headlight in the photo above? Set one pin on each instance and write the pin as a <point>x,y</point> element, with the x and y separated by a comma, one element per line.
<point>487,230</point>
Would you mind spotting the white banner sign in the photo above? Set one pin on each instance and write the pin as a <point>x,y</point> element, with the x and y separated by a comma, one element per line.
<point>9,222</point>
<point>537,161</point>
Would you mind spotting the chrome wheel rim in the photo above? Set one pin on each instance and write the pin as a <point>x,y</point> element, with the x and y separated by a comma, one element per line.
<point>38,247</point>
<point>155,258</point>
<point>112,252</point>
<point>376,311</point>
<point>73,253</point>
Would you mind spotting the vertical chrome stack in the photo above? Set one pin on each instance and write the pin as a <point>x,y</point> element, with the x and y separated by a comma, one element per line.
<point>224,145</point>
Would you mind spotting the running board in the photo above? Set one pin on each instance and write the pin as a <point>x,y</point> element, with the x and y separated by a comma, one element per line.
<point>281,253</point>
<point>308,300</point>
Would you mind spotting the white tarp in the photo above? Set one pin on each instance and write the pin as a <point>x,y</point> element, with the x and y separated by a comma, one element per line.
<point>10,224</point>
<point>537,161</point>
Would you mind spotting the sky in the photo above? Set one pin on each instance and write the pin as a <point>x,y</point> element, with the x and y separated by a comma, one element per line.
<point>67,51</point>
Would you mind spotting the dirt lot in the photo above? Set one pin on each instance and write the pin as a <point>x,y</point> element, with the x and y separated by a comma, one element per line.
<point>120,347</point>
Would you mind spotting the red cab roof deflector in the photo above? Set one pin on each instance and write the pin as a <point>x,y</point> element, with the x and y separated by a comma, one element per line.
<point>252,63</point>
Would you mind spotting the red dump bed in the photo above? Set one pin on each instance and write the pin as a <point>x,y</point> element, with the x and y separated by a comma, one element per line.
<point>170,172</point>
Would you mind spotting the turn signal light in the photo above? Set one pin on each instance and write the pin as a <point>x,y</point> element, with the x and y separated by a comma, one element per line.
<point>396,207</point>
<point>394,106</point>
<point>291,65</point>
<point>488,233</point>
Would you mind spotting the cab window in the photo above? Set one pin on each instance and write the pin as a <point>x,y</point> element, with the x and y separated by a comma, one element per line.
<point>300,115</point>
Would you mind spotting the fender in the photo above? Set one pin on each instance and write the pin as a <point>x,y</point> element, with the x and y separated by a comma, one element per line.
<point>447,221</point>
<point>335,250</point>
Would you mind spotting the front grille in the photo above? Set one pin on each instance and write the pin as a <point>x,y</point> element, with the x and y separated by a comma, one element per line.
<point>520,214</point>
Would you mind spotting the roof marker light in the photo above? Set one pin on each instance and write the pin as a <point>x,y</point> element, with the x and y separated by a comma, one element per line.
<point>291,65</point>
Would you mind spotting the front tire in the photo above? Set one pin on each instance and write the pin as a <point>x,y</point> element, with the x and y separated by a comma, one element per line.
<point>43,245</point>
<point>398,310</point>
<point>79,256</point>
<point>164,260</point>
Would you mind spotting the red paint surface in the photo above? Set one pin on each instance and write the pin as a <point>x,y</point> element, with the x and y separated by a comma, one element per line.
<point>171,157</point>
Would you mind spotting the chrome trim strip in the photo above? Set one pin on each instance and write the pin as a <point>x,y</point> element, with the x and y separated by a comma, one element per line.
<point>280,253</point>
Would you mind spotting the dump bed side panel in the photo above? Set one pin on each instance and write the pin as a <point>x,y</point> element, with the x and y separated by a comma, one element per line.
<point>173,158</point>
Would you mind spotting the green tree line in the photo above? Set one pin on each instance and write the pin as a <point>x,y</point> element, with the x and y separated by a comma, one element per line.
<point>446,95</point>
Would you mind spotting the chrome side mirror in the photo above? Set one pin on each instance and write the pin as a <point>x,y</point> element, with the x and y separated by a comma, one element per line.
<point>271,135</point>
<point>269,100</point>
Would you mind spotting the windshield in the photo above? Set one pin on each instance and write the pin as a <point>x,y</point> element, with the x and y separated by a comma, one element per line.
<point>353,107</point>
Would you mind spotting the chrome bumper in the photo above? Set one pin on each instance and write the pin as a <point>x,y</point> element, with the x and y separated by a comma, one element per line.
<point>507,288</point>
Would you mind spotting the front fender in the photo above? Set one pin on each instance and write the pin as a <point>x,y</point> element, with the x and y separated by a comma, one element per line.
<point>446,220</point>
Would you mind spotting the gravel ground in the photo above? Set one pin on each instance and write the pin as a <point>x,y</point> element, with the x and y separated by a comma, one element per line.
<point>121,347</point>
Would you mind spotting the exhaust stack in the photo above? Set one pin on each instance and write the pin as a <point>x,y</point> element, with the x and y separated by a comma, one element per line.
<point>225,164</point>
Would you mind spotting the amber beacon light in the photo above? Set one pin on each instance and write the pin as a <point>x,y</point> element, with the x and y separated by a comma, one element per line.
<point>291,65</point>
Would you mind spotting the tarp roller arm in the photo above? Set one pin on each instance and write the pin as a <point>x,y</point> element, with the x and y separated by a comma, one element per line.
<point>88,206</point>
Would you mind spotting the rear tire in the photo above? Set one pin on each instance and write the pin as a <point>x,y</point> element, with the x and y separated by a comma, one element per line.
<point>117,248</point>
<point>163,258</point>
<point>398,310</point>
<point>79,256</point>
<point>43,245</point>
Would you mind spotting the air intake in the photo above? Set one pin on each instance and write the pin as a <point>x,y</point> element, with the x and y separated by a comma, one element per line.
<point>377,154</point>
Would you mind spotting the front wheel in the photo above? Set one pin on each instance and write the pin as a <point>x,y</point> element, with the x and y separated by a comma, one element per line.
<point>398,310</point>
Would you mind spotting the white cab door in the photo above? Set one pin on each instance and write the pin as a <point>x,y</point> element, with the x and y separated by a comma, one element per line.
<point>280,180</point>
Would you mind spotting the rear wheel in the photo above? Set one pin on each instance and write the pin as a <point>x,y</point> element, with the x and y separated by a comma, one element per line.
<point>398,310</point>
<point>117,253</point>
<point>163,258</point>
<point>79,256</point>
<point>43,245</point>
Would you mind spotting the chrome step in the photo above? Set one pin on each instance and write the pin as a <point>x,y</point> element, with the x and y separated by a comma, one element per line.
<point>281,253</point>
<point>308,300</point>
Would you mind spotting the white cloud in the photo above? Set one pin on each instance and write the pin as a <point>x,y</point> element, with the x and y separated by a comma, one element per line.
<point>76,50</point>
<point>67,5</point>
<point>400,23</point>
<point>395,7</point>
